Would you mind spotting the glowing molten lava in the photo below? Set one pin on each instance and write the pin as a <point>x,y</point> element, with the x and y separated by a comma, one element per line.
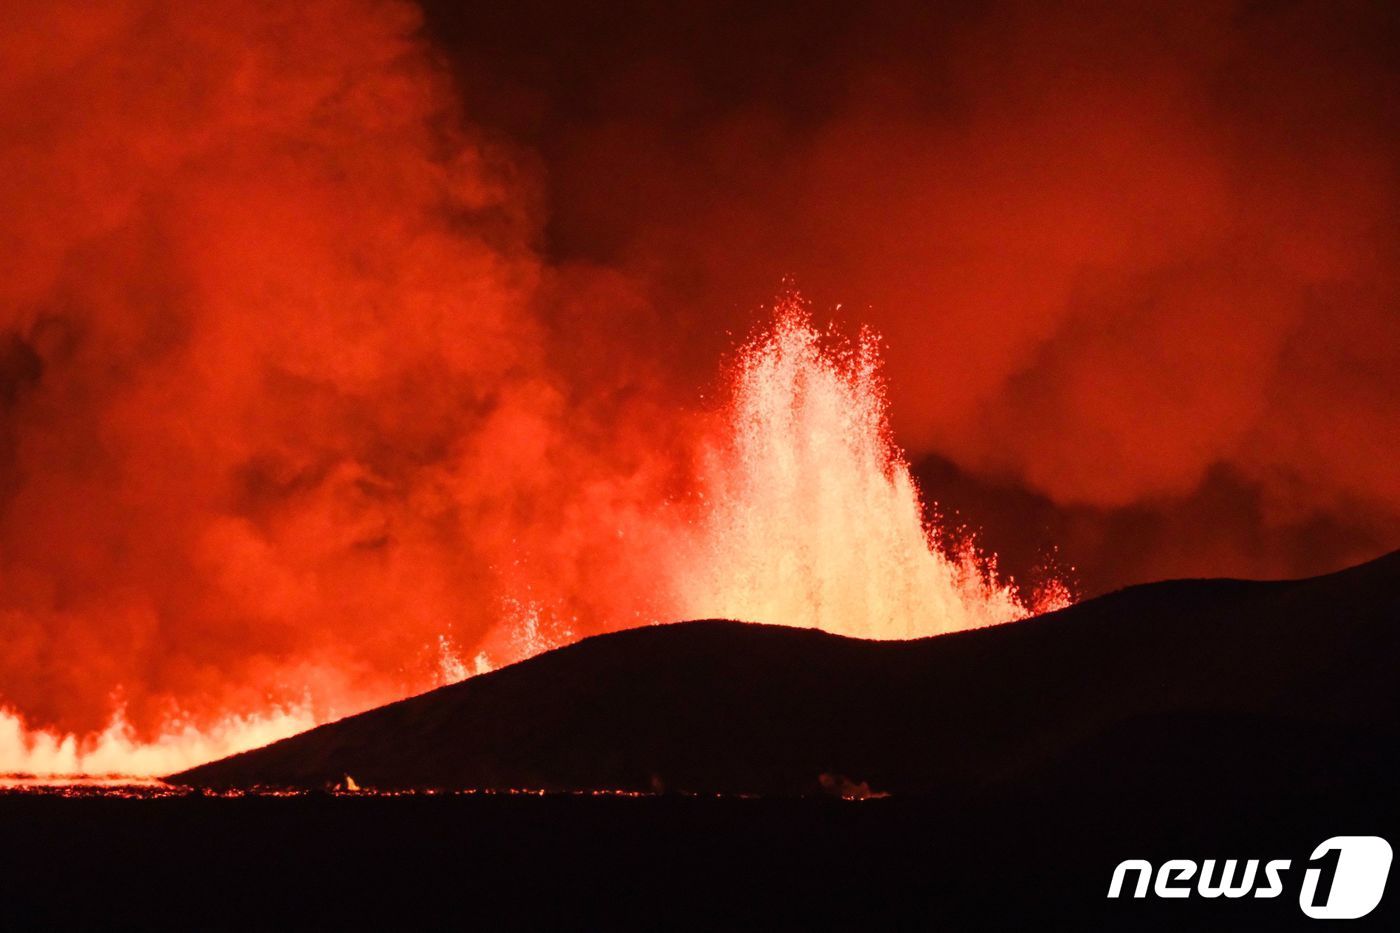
<point>116,751</point>
<point>811,516</point>
<point>805,514</point>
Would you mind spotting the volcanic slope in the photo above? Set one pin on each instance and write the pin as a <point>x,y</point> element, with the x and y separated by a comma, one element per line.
<point>1185,685</point>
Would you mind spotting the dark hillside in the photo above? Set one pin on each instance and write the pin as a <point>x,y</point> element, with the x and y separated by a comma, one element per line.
<point>1183,683</point>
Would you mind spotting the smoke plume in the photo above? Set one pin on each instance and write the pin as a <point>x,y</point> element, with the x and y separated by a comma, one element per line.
<point>274,397</point>
<point>1134,264</point>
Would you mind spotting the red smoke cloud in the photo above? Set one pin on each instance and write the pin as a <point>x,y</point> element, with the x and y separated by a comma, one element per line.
<point>1124,256</point>
<point>276,402</point>
<point>1112,273</point>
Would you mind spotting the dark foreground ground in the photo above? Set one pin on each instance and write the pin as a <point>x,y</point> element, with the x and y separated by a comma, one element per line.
<point>501,862</point>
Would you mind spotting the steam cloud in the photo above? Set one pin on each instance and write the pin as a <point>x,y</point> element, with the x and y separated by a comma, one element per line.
<point>277,412</point>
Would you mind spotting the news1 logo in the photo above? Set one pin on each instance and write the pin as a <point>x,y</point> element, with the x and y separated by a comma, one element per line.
<point>1344,878</point>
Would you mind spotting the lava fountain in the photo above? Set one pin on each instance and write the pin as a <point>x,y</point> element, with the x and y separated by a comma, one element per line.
<point>803,513</point>
<point>810,515</point>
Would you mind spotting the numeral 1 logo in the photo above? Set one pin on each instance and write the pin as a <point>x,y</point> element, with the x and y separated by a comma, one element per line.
<point>1345,878</point>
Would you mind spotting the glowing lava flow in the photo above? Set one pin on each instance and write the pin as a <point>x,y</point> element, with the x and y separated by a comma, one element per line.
<point>115,751</point>
<point>811,517</point>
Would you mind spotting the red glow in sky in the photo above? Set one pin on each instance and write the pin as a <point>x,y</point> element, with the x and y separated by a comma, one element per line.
<point>346,337</point>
